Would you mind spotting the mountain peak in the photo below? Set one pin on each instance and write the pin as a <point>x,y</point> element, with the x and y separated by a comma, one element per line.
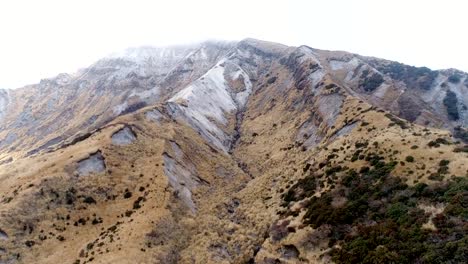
<point>235,152</point>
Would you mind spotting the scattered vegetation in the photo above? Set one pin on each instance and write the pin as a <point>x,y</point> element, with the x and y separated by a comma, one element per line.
<point>396,121</point>
<point>418,77</point>
<point>380,220</point>
<point>127,194</point>
<point>271,80</point>
<point>454,78</point>
<point>461,133</point>
<point>451,102</point>
<point>89,200</point>
<point>370,83</point>
<point>461,149</point>
<point>436,143</point>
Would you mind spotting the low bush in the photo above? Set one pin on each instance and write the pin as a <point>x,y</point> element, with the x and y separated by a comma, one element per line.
<point>451,104</point>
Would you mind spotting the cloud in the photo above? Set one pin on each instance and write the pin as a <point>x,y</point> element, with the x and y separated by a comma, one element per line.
<point>40,39</point>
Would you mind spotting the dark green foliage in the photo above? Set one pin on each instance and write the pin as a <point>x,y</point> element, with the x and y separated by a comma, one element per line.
<point>451,102</point>
<point>333,170</point>
<point>455,78</point>
<point>444,163</point>
<point>461,149</point>
<point>398,237</point>
<point>396,121</point>
<point>303,188</point>
<point>442,170</point>
<point>350,177</point>
<point>361,144</point>
<point>29,243</point>
<point>413,77</point>
<point>461,133</point>
<point>127,194</point>
<point>380,222</point>
<point>436,177</point>
<point>364,169</point>
<point>370,83</point>
<point>409,159</point>
<point>70,196</point>
<point>271,80</point>
<point>89,200</point>
<point>137,203</point>
<point>436,143</point>
<point>356,155</point>
<point>330,86</point>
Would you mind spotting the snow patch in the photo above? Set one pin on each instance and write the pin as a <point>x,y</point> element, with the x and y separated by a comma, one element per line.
<point>151,93</point>
<point>205,103</point>
<point>209,95</point>
<point>124,136</point>
<point>93,164</point>
<point>145,53</point>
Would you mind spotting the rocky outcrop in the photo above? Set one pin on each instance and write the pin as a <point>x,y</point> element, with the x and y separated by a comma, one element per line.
<point>123,137</point>
<point>91,165</point>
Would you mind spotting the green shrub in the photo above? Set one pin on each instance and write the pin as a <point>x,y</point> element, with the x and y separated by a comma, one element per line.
<point>444,163</point>
<point>451,104</point>
<point>89,200</point>
<point>461,133</point>
<point>417,77</point>
<point>455,78</point>
<point>272,80</point>
<point>127,194</point>
<point>461,149</point>
<point>409,159</point>
<point>396,121</point>
<point>370,83</point>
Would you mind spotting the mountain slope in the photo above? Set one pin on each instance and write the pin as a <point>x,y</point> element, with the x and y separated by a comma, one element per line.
<point>249,152</point>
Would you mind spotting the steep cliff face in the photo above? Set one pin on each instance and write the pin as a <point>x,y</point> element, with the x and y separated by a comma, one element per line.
<point>249,152</point>
<point>420,95</point>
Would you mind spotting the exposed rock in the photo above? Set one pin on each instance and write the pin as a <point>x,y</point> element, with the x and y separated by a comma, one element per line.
<point>3,235</point>
<point>93,164</point>
<point>154,115</point>
<point>181,179</point>
<point>6,161</point>
<point>123,137</point>
<point>252,152</point>
<point>289,252</point>
<point>343,131</point>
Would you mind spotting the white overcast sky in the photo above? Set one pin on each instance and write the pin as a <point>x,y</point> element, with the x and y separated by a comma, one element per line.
<point>39,39</point>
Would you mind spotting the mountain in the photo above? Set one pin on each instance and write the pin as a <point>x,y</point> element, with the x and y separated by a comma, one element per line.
<point>236,152</point>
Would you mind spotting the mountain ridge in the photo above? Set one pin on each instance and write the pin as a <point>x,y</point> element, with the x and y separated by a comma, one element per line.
<point>234,154</point>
